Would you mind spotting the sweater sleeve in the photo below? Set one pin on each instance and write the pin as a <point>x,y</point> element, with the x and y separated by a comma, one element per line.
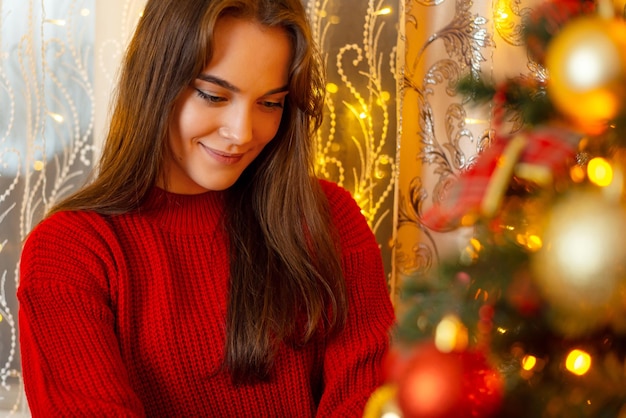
<point>352,361</point>
<point>71,362</point>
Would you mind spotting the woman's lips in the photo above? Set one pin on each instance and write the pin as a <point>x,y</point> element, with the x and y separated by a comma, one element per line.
<point>222,157</point>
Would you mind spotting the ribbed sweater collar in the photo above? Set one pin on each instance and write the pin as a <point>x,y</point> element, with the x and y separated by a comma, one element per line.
<point>184,213</point>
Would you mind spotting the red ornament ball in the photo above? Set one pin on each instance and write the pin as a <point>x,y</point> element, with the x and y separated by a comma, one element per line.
<point>448,385</point>
<point>430,385</point>
<point>395,362</point>
<point>483,387</point>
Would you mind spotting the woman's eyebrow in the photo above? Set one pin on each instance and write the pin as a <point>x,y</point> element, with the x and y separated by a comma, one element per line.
<point>228,86</point>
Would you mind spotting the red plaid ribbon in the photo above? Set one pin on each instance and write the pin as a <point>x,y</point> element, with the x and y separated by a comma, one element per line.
<point>540,155</point>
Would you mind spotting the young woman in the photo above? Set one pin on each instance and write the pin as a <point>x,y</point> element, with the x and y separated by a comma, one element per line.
<point>204,271</point>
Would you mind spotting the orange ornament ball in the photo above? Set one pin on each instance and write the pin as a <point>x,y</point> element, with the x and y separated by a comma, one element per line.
<point>586,64</point>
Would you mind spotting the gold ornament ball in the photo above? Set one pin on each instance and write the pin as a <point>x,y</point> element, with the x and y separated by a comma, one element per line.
<point>586,64</point>
<point>579,270</point>
<point>382,403</point>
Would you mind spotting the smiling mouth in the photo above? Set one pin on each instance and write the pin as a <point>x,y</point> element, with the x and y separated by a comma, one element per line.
<point>222,157</point>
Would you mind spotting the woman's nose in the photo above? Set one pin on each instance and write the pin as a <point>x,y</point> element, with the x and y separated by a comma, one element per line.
<point>237,127</point>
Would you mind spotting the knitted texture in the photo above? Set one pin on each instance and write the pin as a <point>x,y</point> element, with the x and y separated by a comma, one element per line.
<point>125,317</point>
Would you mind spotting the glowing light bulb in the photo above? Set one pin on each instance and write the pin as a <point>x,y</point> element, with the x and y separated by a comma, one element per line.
<point>600,172</point>
<point>450,334</point>
<point>530,241</point>
<point>38,165</point>
<point>383,11</point>
<point>529,362</point>
<point>332,88</point>
<point>578,362</point>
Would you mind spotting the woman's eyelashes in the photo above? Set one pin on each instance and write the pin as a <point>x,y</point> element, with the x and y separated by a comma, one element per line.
<point>216,99</point>
<point>272,105</point>
<point>209,97</point>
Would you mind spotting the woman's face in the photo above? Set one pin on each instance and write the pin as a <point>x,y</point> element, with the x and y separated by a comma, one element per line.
<point>231,111</point>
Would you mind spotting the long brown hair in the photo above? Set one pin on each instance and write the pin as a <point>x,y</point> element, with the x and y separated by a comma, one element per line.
<point>286,280</point>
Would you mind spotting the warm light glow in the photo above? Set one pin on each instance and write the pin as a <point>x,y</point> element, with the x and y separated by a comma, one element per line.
<point>332,88</point>
<point>582,250</point>
<point>577,174</point>
<point>57,117</point>
<point>450,334</point>
<point>58,22</point>
<point>472,250</point>
<point>468,219</point>
<point>600,172</point>
<point>384,11</point>
<point>473,121</point>
<point>586,67</point>
<point>583,69</point>
<point>529,362</point>
<point>363,115</point>
<point>383,98</point>
<point>530,241</point>
<point>85,12</point>
<point>38,165</point>
<point>481,294</point>
<point>578,362</point>
<point>503,13</point>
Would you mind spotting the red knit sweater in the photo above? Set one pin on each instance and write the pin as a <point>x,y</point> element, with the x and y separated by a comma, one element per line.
<point>125,317</point>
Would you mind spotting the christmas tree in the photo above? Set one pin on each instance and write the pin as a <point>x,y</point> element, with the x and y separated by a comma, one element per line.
<point>530,320</point>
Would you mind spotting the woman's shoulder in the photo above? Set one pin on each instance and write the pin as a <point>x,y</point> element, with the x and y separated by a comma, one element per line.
<point>67,231</point>
<point>70,247</point>
<point>72,223</point>
<point>338,197</point>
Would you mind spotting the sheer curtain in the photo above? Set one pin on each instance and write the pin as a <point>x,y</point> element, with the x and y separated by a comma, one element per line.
<point>46,139</point>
